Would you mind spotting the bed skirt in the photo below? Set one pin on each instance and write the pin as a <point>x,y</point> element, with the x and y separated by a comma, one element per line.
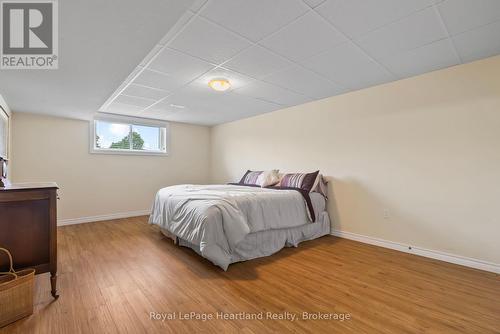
<point>260,244</point>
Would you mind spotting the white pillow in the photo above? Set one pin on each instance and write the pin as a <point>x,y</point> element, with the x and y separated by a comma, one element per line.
<point>268,178</point>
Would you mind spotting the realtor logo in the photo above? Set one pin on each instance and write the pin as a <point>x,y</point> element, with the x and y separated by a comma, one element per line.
<point>29,35</point>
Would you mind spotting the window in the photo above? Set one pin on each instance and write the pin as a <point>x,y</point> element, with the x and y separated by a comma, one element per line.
<point>4,133</point>
<point>120,136</point>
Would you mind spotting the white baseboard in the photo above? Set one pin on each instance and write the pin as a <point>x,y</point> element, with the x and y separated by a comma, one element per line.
<point>72,221</point>
<point>433,254</point>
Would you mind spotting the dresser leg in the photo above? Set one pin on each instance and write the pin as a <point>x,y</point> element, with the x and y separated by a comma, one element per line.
<point>53,284</point>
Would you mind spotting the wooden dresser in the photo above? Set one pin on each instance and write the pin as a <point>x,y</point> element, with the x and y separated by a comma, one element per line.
<point>28,227</point>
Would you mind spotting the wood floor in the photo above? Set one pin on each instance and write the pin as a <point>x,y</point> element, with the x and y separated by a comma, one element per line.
<point>113,274</point>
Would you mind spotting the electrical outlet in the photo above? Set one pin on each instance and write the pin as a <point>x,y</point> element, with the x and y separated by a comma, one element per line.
<point>386,214</point>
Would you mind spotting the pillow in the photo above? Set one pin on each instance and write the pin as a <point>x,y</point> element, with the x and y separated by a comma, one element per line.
<point>299,180</point>
<point>260,178</point>
<point>268,178</point>
<point>321,186</point>
<point>250,177</point>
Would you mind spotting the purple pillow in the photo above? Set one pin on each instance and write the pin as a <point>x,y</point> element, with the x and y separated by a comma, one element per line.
<point>304,181</point>
<point>250,178</point>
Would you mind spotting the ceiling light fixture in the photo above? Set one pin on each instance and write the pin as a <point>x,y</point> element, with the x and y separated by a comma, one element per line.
<point>220,85</point>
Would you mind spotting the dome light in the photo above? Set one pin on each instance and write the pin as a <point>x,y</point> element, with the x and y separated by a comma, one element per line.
<point>220,85</point>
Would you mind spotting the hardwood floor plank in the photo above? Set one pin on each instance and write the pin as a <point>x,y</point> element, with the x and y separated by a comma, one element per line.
<point>113,274</point>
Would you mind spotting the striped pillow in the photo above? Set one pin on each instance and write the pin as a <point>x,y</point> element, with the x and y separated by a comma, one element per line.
<point>251,177</point>
<point>299,180</point>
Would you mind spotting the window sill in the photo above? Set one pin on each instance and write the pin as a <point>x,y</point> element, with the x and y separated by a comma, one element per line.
<point>128,152</point>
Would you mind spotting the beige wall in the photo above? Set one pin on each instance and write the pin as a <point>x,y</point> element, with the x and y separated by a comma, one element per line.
<point>427,149</point>
<point>57,149</point>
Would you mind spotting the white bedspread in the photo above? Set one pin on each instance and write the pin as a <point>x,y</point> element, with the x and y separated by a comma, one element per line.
<point>185,210</point>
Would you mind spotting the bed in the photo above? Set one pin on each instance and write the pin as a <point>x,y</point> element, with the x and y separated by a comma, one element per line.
<point>232,223</point>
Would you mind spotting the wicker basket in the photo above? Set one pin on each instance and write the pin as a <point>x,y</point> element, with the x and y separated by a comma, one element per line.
<point>16,293</point>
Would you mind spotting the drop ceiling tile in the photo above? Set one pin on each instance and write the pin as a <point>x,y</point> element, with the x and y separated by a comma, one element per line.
<point>357,17</point>
<point>254,19</point>
<point>349,66</point>
<point>121,108</point>
<point>416,30</point>
<point>158,80</point>
<point>272,93</point>
<point>307,36</point>
<point>304,82</point>
<point>257,62</point>
<point>196,98</point>
<point>150,55</point>
<point>197,4</point>
<point>134,101</point>
<point>198,89</point>
<point>179,65</point>
<point>144,92</point>
<point>247,104</point>
<point>235,106</point>
<point>166,108</point>
<point>208,41</point>
<point>198,118</point>
<point>427,58</point>
<point>479,43</point>
<point>123,112</point>
<point>159,115</point>
<point>314,3</point>
<point>463,15</point>
<point>236,80</point>
<point>177,28</point>
<point>191,118</point>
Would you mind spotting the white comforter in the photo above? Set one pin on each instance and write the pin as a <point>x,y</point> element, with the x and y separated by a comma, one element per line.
<point>220,216</point>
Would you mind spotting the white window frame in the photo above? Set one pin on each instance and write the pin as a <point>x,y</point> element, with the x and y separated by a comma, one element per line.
<point>129,121</point>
